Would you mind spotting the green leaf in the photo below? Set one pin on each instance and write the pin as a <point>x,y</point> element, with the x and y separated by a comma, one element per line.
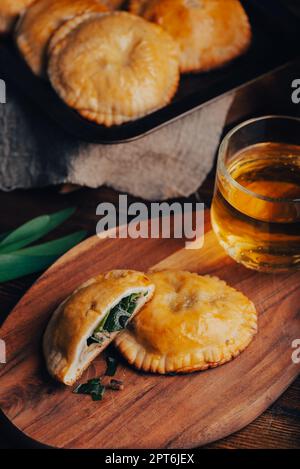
<point>93,387</point>
<point>25,232</point>
<point>3,235</point>
<point>33,230</point>
<point>37,258</point>
<point>13,266</point>
<point>112,365</point>
<point>53,248</point>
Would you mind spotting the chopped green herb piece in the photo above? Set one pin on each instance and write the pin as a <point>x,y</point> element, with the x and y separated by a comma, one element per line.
<point>93,387</point>
<point>94,340</point>
<point>98,396</point>
<point>112,365</point>
<point>116,385</point>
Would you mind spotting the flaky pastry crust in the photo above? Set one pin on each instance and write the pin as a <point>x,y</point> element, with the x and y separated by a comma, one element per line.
<point>210,33</point>
<point>114,4</point>
<point>41,20</point>
<point>9,12</point>
<point>65,346</point>
<point>192,323</point>
<point>113,68</point>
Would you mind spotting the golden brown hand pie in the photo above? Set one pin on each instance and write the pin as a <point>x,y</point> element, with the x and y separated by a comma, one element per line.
<point>210,33</point>
<point>113,68</point>
<point>192,323</point>
<point>84,324</point>
<point>9,11</point>
<point>41,20</point>
<point>113,4</point>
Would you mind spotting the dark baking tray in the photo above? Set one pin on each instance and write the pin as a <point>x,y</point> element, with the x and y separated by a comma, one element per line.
<point>275,42</point>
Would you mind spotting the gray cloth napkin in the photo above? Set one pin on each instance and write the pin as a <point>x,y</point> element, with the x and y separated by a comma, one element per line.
<point>173,161</point>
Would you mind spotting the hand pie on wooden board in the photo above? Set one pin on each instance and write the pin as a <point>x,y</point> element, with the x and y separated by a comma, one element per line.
<point>84,324</point>
<point>210,33</point>
<point>39,22</point>
<point>114,4</point>
<point>113,68</point>
<point>9,12</point>
<point>192,323</point>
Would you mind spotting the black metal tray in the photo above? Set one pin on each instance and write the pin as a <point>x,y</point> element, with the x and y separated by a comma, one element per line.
<point>275,42</point>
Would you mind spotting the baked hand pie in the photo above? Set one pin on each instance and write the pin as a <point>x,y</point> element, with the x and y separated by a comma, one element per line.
<point>39,22</point>
<point>113,4</point>
<point>210,33</point>
<point>192,323</point>
<point>84,324</point>
<point>9,12</point>
<point>113,68</point>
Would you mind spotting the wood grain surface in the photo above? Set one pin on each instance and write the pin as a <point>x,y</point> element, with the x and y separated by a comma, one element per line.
<point>152,411</point>
<point>277,427</point>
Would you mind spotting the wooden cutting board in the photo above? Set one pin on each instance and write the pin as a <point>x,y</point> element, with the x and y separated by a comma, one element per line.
<point>152,411</point>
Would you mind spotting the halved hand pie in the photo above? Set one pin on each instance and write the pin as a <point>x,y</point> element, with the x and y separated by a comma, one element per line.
<point>192,323</point>
<point>84,324</point>
<point>113,68</point>
<point>9,12</point>
<point>210,33</point>
<point>41,20</point>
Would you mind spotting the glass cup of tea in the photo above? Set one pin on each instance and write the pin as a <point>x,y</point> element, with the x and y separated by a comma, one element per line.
<point>256,206</point>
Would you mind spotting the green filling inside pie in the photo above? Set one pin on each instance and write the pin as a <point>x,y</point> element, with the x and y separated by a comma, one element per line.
<point>116,319</point>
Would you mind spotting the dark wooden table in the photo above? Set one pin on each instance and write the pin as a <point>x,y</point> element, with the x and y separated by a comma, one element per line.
<point>279,426</point>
